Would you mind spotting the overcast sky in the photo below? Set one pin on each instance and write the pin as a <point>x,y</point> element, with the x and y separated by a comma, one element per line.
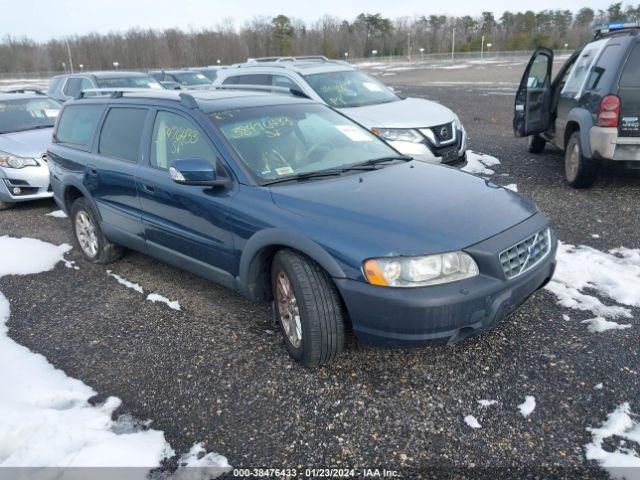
<point>42,19</point>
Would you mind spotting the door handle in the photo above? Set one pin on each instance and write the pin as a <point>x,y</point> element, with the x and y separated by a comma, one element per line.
<point>148,188</point>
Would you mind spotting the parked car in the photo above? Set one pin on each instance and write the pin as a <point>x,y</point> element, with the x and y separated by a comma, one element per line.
<point>210,72</point>
<point>186,79</point>
<point>591,110</point>
<point>68,86</point>
<point>417,127</point>
<point>26,124</point>
<point>285,199</point>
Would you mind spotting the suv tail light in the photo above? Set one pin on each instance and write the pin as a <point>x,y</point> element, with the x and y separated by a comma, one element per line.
<point>609,111</point>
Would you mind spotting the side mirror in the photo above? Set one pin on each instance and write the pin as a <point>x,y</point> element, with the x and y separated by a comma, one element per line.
<point>196,172</point>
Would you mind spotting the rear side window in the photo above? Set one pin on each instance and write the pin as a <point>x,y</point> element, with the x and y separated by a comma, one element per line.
<point>605,70</point>
<point>78,124</point>
<point>256,79</point>
<point>75,85</point>
<point>631,73</point>
<point>121,133</point>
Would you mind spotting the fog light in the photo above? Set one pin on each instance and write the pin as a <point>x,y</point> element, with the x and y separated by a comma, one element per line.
<point>16,190</point>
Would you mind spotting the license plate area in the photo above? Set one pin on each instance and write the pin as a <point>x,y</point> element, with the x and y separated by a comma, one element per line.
<point>629,126</point>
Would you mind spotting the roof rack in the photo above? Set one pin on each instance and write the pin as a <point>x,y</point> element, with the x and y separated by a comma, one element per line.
<point>609,28</point>
<point>114,91</point>
<point>263,88</point>
<point>319,58</point>
<point>25,90</point>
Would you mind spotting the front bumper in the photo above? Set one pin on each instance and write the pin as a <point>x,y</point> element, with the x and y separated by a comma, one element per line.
<point>608,145</point>
<point>32,181</point>
<point>452,312</point>
<point>425,152</point>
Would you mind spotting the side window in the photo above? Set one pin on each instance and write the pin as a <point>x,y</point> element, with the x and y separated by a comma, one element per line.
<point>121,133</point>
<point>631,73</point>
<point>75,85</point>
<point>77,124</point>
<point>255,79</point>
<point>605,69</point>
<point>282,81</point>
<point>233,80</point>
<point>178,138</point>
<point>580,71</point>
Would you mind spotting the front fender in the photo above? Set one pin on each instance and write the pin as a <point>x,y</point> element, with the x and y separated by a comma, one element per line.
<point>275,237</point>
<point>584,120</point>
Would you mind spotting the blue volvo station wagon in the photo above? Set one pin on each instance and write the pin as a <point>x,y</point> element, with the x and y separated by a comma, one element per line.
<point>287,200</point>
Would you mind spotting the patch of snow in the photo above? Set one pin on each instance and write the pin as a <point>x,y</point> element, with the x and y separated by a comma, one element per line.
<point>478,162</point>
<point>595,235</point>
<point>199,465</point>
<point>487,403</point>
<point>57,214</point>
<point>598,386</point>
<point>46,419</point>
<point>614,274</point>
<point>623,462</point>
<point>472,422</point>
<point>512,186</point>
<point>599,324</point>
<point>527,406</point>
<point>566,317</point>
<point>125,282</point>
<point>154,297</point>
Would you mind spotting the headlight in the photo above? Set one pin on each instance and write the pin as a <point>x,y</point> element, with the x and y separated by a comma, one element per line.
<point>398,134</point>
<point>11,161</point>
<point>420,271</point>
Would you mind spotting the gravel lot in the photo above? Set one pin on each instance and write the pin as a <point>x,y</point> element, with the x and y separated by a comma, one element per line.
<point>216,371</point>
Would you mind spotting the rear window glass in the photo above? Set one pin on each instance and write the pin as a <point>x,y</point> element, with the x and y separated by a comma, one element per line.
<point>256,79</point>
<point>121,133</point>
<point>77,124</point>
<point>605,70</point>
<point>631,73</point>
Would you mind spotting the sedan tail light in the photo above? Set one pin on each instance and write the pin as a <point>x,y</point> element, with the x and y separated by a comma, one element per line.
<point>609,111</point>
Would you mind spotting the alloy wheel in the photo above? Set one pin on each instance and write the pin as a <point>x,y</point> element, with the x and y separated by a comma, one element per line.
<point>288,310</point>
<point>86,234</point>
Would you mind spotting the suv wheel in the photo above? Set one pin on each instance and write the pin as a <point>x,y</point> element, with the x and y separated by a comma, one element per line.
<point>536,144</point>
<point>89,237</point>
<point>308,308</point>
<point>579,171</point>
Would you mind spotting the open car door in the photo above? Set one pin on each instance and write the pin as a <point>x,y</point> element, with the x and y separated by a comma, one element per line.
<point>532,111</point>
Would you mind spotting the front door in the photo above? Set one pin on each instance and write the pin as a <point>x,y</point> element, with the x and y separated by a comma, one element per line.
<point>185,222</point>
<point>532,110</point>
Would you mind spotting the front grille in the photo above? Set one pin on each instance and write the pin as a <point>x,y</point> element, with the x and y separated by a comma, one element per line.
<point>444,133</point>
<point>525,255</point>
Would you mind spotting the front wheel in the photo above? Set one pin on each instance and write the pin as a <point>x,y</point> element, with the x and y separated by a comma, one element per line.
<point>579,171</point>
<point>89,237</point>
<point>307,307</point>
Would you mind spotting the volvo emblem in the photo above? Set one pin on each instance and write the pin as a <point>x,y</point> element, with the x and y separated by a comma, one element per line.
<point>444,132</point>
<point>532,251</point>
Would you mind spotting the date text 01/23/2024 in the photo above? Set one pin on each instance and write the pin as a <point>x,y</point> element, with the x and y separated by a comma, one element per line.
<point>315,473</point>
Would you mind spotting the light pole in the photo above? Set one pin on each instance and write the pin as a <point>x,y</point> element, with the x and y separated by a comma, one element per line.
<point>69,54</point>
<point>453,43</point>
<point>482,48</point>
<point>346,56</point>
<point>218,62</point>
<point>116,65</point>
<point>421,54</point>
<point>64,67</point>
<point>374,53</point>
<point>81,66</point>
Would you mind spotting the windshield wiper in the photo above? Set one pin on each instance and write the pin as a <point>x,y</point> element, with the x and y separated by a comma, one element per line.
<point>376,161</point>
<point>305,176</point>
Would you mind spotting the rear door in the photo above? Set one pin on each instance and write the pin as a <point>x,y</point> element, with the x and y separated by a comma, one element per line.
<point>629,93</point>
<point>532,110</point>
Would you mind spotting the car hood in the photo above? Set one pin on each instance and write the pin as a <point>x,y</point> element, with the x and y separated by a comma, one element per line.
<point>406,209</point>
<point>407,113</point>
<point>28,144</point>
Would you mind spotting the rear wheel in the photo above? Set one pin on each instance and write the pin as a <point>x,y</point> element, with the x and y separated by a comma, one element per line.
<point>536,144</point>
<point>579,171</point>
<point>89,237</point>
<point>308,308</point>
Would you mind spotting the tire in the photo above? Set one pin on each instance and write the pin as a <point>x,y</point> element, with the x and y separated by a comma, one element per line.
<point>536,144</point>
<point>95,247</point>
<point>579,171</point>
<point>320,325</point>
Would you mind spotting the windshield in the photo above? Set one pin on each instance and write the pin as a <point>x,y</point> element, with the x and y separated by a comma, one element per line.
<point>191,78</point>
<point>283,141</point>
<point>210,74</point>
<point>129,82</point>
<point>349,89</point>
<point>27,114</point>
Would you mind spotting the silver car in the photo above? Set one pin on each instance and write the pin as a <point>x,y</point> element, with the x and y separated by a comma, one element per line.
<point>417,127</point>
<point>26,125</point>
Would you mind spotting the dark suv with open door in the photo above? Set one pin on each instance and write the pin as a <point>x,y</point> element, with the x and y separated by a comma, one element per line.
<point>591,110</point>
